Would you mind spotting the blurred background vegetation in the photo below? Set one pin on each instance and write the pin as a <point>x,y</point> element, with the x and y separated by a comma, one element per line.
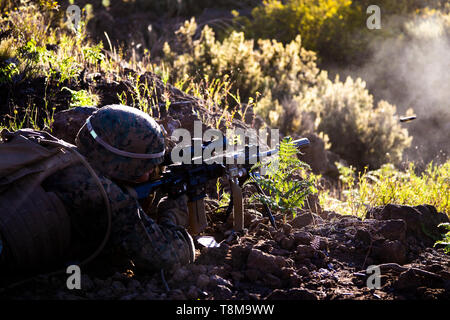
<point>305,67</point>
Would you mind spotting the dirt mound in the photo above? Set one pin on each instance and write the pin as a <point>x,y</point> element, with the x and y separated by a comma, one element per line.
<point>327,258</point>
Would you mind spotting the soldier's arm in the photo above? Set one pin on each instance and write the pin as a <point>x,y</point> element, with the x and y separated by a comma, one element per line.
<point>153,245</point>
<point>174,211</point>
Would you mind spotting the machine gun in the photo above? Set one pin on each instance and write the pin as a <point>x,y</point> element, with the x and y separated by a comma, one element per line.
<point>191,179</point>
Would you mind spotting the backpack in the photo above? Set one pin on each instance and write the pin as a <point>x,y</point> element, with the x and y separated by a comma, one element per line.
<point>34,224</point>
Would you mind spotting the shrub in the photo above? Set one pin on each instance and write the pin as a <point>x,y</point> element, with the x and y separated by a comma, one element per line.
<point>323,25</point>
<point>335,29</point>
<point>80,98</point>
<point>43,47</point>
<point>359,131</point>
<point>390,185</point>
<point>282,69</point>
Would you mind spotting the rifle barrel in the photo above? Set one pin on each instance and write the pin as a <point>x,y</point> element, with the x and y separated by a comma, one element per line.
<point>298,143</point>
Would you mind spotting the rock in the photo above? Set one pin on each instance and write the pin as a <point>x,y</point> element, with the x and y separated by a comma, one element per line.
<point>292,294</point>
<point>150,287</point>
<point>436,268</point>
<point>237,276</point>
<point>86,282</point>
<point>390,251</point>
<point>198,268</point>
<point>407,279</point>
<point>278,236</point>
<point>67,123</point>
<point>302,220</point>
<point>252,275</point>
<point>216,280</point>
<point>180,274</point>
<point>222,292</point>
<point>177,294</point>
<point>264,262</point>
<point>147,296</point>
<point>192,293</point>
<point>363,236</point>
<point>285,273</point>
<point>319,243</point>
<point>202,281</point>
<point>421,221</point>
<point>131,296</point>
<point>287,243</point>
<point>334,216</point>
<point>393,229</point>
<point>304,251</point>
<point>271,281</point>
<point>287,228</point>
<point>303,271</point>
<point>248,218</point>
<point>212,255</point>
<point>105,293</point>
<point>302,237</point>
<point>294,281</point>
<point>239,256</point>
<point>133,284</point>
<point>117,286</point>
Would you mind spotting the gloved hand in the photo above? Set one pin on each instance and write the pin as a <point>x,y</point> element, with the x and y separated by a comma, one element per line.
<point>174,211</point>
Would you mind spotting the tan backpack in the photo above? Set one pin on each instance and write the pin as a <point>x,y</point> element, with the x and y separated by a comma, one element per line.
<point>34,224</point>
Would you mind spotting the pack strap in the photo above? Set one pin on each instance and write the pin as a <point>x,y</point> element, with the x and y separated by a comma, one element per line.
<point>72,149</point>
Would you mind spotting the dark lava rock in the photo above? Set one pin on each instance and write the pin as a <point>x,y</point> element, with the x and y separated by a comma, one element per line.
<point>421,221</point>
<point>239,256</point>
<point>67,123</point>
<point>363,236</point>
<point>412,279</point>
<point>390,251</point>
<point>302,237</point>
<point>265,262</point>
<point>302,220</point>
<point>222,292</point>
<point>393,229</point>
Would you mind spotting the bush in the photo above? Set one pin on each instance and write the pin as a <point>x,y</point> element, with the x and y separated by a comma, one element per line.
<point>323,25</point>
<point>335,29</point>
<point>273,70</point>
<point>359,131</point>
<point>390,185</point>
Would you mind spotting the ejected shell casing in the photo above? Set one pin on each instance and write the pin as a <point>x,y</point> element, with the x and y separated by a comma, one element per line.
<point>406,119</point>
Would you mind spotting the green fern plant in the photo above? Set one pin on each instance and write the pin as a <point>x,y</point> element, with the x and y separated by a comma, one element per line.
<point>286,184</point>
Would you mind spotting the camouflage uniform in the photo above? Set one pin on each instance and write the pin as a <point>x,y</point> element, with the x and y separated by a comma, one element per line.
<point>148,244</point>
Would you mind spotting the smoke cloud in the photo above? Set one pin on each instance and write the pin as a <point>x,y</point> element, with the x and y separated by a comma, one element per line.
<point>412,71</point>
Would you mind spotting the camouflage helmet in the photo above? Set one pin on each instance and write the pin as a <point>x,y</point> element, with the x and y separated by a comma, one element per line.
<point>121,142</point>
